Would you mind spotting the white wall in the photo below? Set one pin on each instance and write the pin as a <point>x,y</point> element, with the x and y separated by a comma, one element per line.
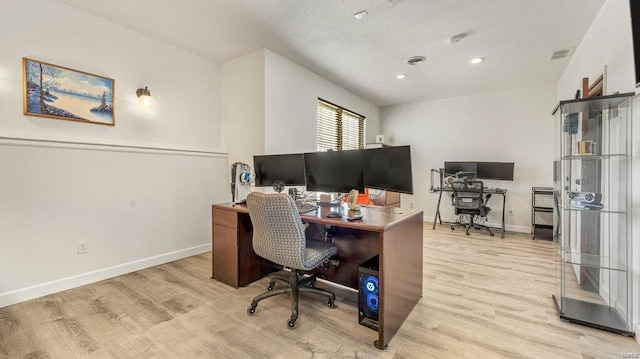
<point>608,42</point>
<point>269,106</point>
<point>291,96</point>
<point>185,87</point>
<point>505,126</point>
<point>243,106</point>
<point>139,192</point>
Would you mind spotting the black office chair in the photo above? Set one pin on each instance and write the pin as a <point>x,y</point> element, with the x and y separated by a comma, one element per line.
<point>279,236</point>
<point>470,203</point>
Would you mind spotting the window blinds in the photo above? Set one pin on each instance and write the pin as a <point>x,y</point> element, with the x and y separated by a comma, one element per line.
<point>339,128</point>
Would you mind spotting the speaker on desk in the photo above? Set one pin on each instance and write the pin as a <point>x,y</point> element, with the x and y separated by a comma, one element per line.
<point>368,293</point>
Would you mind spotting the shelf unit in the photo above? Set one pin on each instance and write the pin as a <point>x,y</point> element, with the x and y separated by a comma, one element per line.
<point>541,210</point>
<point>592,242</point>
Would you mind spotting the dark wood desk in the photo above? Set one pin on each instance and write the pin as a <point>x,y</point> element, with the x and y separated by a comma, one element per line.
<point>396,237</point>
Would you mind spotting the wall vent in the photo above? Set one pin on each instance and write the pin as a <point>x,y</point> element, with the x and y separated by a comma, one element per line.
<point>560,54</point>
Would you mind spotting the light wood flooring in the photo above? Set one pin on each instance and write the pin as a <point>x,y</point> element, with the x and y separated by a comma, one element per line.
<point>484,297</point>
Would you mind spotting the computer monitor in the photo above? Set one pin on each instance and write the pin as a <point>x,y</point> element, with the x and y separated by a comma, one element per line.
<point>334,171</point>
<point>496,170</point>
<point>389,168</point>
<point>452,167</point>
<point>288,168</point>
<point>634,9</point>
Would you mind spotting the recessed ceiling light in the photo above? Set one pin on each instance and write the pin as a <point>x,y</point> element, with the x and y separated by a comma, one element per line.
<point>361,14</point>
<point>415,60</point>
<point>477,60</point>
<point>401,76</point>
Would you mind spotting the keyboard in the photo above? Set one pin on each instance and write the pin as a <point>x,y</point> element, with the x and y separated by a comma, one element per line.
<point>304,207</point>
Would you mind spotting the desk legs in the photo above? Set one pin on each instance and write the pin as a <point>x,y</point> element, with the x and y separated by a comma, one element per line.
<point>504,201</point>
<point>438,217</point>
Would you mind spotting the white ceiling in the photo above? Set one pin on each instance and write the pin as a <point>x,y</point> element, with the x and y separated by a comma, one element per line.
<point>364,56</point>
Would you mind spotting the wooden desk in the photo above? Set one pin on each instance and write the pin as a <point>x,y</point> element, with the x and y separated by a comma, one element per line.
<point>396,237</point>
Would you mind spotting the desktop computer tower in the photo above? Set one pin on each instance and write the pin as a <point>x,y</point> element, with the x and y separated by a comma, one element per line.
<point>368,292</point>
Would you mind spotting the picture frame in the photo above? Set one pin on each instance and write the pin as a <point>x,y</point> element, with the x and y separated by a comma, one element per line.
<point>66,94</point>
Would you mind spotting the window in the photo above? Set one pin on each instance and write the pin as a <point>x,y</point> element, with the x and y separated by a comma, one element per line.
<point>339,128</point>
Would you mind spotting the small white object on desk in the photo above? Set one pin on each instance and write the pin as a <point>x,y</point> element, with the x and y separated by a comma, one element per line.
<point>325,198</point>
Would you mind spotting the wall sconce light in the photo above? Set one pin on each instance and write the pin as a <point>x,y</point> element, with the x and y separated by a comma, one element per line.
<point>144,96</point>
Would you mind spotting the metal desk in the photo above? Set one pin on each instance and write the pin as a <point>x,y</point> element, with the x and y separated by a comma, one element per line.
<point>491,191</point>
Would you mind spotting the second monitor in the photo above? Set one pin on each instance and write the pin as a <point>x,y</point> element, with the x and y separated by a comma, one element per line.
<point>496,170</point>
<point>386,168</point>
<point>334,171</point>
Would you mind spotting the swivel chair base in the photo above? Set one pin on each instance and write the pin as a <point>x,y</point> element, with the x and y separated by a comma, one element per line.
<point>295,285</point>
<point>471,224</point>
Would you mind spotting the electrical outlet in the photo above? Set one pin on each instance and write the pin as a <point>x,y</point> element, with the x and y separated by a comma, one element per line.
<point>83,247</point>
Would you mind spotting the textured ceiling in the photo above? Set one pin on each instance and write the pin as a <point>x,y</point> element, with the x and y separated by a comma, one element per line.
<point>516,37</point>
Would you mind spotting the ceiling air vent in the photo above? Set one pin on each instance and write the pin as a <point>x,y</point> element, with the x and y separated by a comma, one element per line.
<point>560,54</point>
<point>415,60</point>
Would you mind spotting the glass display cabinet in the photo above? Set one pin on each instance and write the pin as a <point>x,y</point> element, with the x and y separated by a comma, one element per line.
<point>592,243</point>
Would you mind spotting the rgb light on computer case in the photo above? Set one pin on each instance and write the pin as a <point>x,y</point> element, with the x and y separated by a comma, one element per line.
<point>368,293</point>
<point>368,297</point>
<point>371,293</point>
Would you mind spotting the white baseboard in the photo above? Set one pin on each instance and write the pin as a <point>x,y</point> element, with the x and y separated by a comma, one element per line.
<point>508,227</point>
<point>58,285</point>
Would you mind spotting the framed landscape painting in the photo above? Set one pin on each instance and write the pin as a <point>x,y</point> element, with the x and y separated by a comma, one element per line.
<point>66,94</point>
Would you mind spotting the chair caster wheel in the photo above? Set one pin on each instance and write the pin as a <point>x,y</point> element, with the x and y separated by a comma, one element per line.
<point>468,234</point>
<point>291,323</point>
<point>491,234</point>
<point>271,285</point>
<point>331,303</point>
<point>312,283</point>
<point>251,310</point>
